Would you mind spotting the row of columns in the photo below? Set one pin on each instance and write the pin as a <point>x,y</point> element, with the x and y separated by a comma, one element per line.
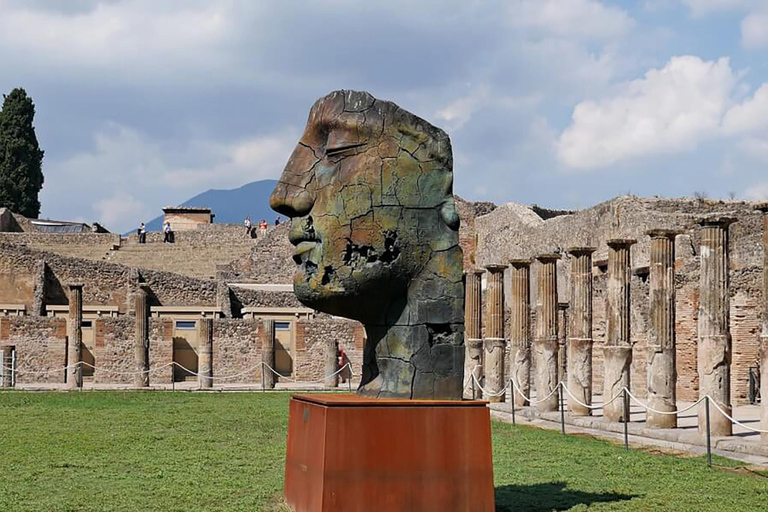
<point>74,375</point>
<point>714,344</point>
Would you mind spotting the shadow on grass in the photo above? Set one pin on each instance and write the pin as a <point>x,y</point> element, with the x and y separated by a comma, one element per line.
<point>546,497</point>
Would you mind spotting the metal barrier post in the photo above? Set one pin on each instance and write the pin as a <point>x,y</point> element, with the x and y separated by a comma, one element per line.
<point>474,392</point>
<point>709,442</point>
<point>626,420</point>
<point>173,376</point>
<point>263,386</point>
<point>349,380</point>
<point>562,408</point>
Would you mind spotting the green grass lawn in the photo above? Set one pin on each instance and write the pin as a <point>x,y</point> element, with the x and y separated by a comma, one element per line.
<point>224,452</point>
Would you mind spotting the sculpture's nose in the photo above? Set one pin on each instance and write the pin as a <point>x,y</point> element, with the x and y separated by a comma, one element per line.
<point>294,194</point>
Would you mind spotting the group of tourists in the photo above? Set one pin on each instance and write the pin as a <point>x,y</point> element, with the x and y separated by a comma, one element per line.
<point>263,227</point>
<point>169,238</point>
<point>168,235</point>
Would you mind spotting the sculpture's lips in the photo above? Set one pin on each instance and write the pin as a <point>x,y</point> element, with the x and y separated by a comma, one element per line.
<point>301,253</point>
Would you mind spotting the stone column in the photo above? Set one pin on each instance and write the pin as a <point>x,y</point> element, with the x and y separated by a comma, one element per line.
<point>205,360</point>
<point>331,363</point>
<point>6,359</point>
<point>764,329</point>
<point>714,348</point>
<point>662,371</point>
<point>545,342</point>
<point>562,336</point>
<point>580,331</point>
<point>474,330</point>
<point>141,336</point>
<point>75,336</point>
<point>521,329</point>
<point>494,332</point>
<point>617,351</point>
<point>268,353</point>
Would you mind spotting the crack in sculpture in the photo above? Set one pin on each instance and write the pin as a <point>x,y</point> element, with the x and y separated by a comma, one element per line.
<point>368,189</point>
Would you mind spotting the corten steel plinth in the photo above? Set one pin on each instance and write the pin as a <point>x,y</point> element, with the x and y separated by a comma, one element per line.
<point>714,348</point>
<point>494,334</point>
<point>562,336</point>
<point>75,337</point>
<point>473,301</point>
<point>661,366</point>
<point>268,354</point>
<point>6,359</point>
<point>520,327</point>
<point>205,361</point>
<point>141,336</point>
<point>545,343</point>
<point>764,328</point>
<point>352,454</point>
<point>618,345</point>
<point>580,331</point>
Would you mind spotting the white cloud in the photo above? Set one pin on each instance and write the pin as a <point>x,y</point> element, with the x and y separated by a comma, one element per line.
<point>702,7</point>
<point>669,110</point>
<point>119,210</point>
<point>749,116</point>
<point>150,174</point>
<point>584,19</point>
<point>459,111</point>
<point>757,192</point>
<point>754,29</point>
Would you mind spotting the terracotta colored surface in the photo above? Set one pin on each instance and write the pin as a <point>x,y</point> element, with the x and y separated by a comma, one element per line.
<point>350,454</point>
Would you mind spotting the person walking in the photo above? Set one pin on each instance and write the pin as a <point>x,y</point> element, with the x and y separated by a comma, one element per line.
<point>263,226</point>
<point>142,232</point>
<point>248,227</point>
<point>343,362</point>
<point>167,233</point>
<point>277,220</point>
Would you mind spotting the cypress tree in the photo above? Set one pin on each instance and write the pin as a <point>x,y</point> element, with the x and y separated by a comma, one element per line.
<point>21,159</point>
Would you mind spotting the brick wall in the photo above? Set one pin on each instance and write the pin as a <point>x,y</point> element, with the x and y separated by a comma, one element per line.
<point>312,338</point>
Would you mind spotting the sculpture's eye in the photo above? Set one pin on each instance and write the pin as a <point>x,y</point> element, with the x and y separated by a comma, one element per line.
<point>342,148</point>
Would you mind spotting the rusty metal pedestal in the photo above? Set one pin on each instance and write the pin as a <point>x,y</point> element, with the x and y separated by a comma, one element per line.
<point>352,454</point>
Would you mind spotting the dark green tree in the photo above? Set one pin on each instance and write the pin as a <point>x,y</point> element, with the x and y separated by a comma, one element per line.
<point>21,159</point>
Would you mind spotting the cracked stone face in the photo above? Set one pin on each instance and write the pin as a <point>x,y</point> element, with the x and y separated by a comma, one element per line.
<point>369,193</point>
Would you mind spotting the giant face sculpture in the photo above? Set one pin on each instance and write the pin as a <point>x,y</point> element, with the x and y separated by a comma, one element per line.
<point>369,193</point>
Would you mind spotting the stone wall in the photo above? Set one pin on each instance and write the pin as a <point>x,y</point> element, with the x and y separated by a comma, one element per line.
<point>48,240</point>
<point>237,346</point>
<point>41,346</point>
<point>312,338</point>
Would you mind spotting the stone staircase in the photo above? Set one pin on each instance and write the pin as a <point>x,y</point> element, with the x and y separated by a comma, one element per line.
<point>188,260</point>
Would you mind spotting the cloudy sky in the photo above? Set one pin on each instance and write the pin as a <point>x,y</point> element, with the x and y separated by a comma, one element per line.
<point>562,103</point>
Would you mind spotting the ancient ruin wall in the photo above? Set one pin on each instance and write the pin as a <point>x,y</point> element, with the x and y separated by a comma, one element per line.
<point>511,232</point>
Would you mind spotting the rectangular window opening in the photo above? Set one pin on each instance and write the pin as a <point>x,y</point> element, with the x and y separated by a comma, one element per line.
<point>186,324</point>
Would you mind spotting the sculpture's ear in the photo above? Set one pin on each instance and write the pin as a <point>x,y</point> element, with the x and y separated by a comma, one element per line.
<point>449,214</point>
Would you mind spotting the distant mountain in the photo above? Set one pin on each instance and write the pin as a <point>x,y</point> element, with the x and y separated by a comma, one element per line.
<point>232,206</point>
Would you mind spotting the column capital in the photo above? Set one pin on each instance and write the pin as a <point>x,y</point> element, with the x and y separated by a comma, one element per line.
<point>664,233</point>
<point>495,267</point>
<point>520,262</point>
<point>75,285</point>
<point>549,257</point>
<point>144,286</point>
<point>621,243</point>
<point>762,207</point>
<point>563,305</point>
<point>581,251</point>
<point>718,220</point>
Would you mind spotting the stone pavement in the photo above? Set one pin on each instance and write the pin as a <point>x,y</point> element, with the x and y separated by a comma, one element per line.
<point>742,445</point>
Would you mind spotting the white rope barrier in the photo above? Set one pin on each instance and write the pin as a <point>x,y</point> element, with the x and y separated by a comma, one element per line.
<point>668,413</point>
<point>591,407</point>
<point>530,400</point>
<point>717,406</point>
